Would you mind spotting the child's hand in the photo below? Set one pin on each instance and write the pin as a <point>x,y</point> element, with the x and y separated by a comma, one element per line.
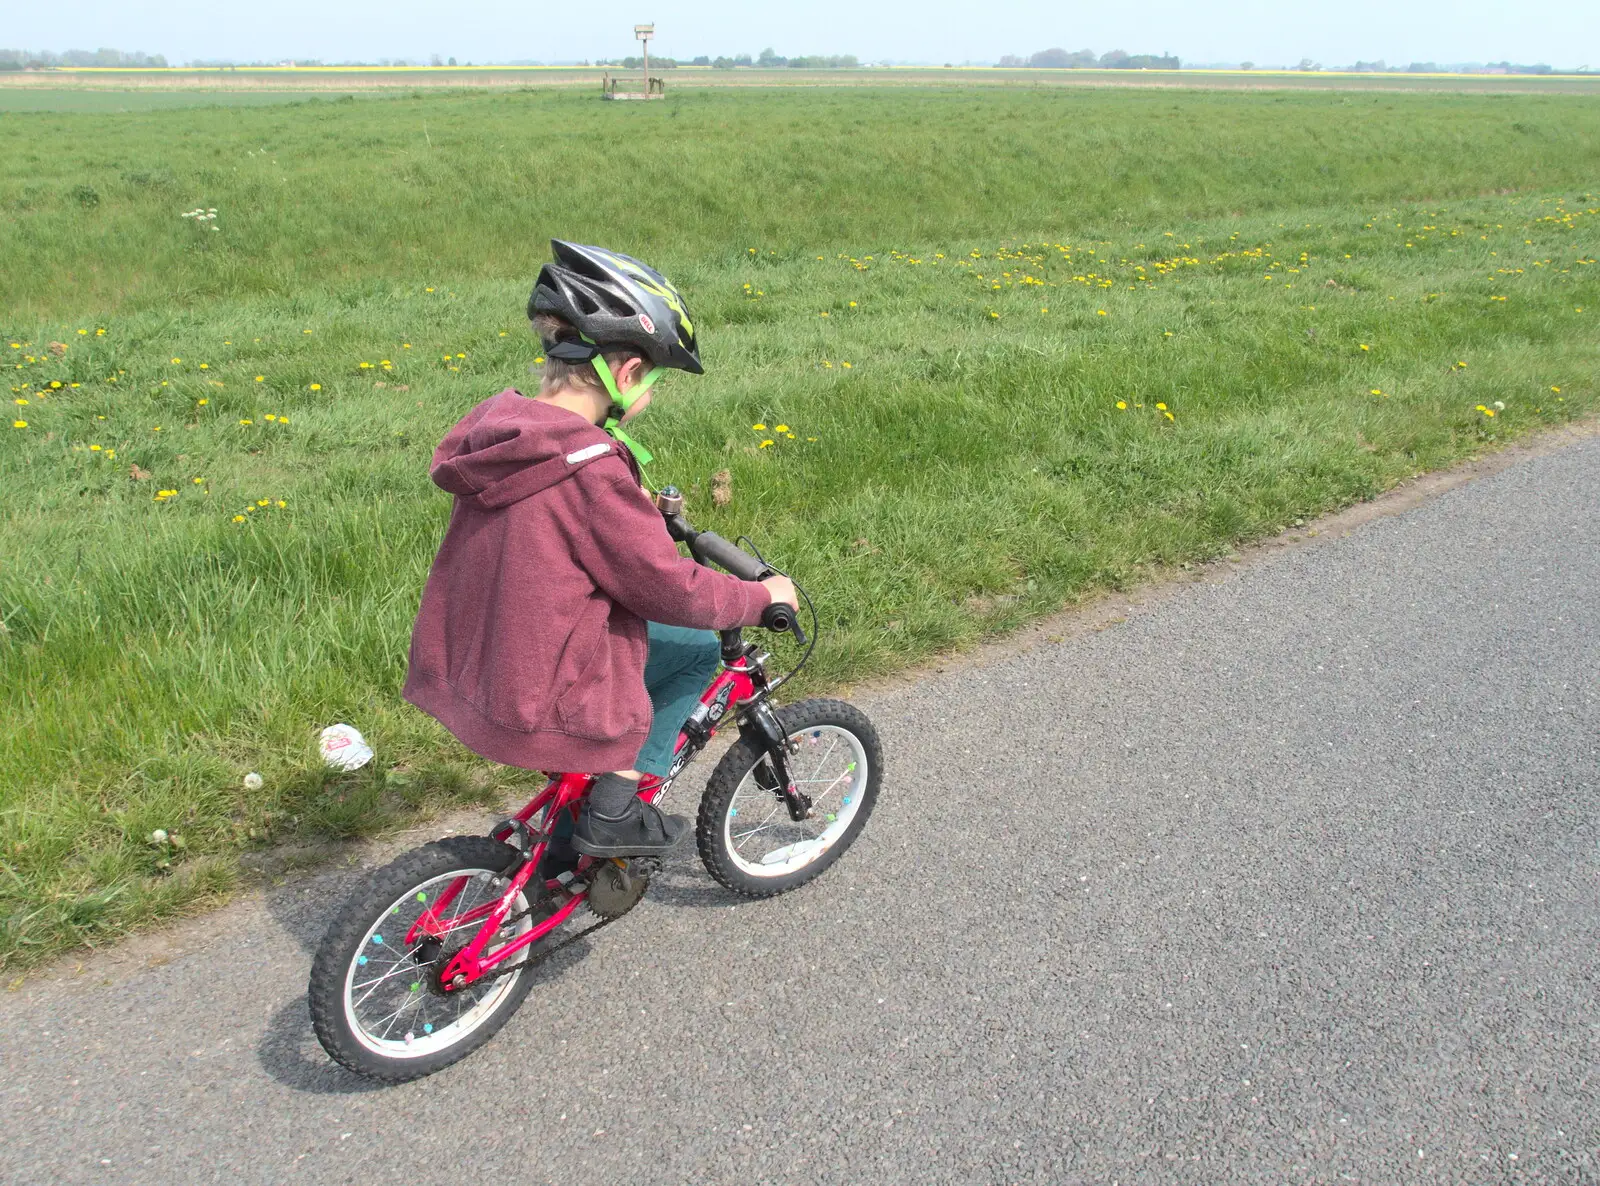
<point>782,591</point>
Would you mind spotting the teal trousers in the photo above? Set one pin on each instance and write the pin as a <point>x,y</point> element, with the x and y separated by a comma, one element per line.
<point>680,664</point>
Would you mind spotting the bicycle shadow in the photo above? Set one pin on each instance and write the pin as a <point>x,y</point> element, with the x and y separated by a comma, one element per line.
<point>290,1054</point>
<point>289,1051</point>
<point>683,883</point>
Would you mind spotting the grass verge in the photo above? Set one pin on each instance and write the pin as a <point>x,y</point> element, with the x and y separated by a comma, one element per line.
<point>971,355</point>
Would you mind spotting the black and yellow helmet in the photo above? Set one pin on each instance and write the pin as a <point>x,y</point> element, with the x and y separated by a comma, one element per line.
<point>615,301</point>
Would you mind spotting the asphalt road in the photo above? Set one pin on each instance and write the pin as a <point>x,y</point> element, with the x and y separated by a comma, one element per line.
<point>1290,877</point>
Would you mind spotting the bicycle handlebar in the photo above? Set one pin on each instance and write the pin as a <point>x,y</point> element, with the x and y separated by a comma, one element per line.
<point>708,547</point>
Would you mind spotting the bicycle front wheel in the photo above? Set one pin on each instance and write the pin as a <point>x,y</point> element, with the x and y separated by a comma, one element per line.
<point>746,836</point>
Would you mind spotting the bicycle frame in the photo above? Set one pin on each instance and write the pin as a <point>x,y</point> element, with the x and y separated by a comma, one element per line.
<point>741,681</point>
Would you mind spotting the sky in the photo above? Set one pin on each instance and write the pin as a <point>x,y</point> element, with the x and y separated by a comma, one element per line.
<point>1563,33</point>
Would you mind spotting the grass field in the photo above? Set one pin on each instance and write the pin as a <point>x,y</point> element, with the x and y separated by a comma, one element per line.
<point>81,89</point>
<point>1026,344</point>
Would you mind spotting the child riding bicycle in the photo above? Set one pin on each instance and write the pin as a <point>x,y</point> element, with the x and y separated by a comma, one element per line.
<point>560,629</point>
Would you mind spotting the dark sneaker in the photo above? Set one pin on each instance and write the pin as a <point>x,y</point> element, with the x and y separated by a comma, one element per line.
<point>645,831</point>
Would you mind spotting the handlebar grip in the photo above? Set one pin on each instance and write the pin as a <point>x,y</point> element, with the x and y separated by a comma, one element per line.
<point>778,617</point>
<point>709,546</point>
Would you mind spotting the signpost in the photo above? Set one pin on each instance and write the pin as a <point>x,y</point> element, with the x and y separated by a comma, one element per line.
<point>643,33</point>
<point>653,88</point>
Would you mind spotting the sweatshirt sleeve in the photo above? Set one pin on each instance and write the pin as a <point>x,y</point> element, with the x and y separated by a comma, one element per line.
<point>624,547</point>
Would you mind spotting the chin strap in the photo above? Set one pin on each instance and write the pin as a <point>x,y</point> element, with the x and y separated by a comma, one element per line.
<point>613,424</point>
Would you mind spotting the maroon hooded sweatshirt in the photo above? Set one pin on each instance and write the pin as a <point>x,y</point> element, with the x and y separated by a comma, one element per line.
<point>530,642</point>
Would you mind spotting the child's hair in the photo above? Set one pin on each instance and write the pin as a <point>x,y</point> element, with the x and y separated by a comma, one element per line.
<point>560,373</point>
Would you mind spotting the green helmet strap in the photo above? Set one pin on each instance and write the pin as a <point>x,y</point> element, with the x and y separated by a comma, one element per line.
<point>612,425</point>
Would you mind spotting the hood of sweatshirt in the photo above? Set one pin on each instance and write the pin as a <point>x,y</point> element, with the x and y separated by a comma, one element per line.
<point>511,447</point>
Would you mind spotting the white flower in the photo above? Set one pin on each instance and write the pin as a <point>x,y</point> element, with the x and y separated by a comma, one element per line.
<point>1499,406</point>
<point>253,781</point>
<point>159,836</point>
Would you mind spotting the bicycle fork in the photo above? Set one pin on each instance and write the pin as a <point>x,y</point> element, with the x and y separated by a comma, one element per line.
<point>760,724</point>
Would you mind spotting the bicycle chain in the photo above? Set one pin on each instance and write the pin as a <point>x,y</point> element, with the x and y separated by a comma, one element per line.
<point>535,960</point>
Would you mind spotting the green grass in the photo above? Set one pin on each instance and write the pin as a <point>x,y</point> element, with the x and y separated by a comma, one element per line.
<point>1264,264</point>
<point>86,99</point>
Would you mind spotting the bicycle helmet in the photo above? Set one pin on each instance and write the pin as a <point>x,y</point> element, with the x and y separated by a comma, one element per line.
<point>614,301</point>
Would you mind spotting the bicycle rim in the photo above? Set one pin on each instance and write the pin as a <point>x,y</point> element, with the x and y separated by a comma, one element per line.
<point>390,1003</point>
<point>831,768</point>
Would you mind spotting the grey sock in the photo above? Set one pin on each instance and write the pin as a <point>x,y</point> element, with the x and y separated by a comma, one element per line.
<point>612,796</point>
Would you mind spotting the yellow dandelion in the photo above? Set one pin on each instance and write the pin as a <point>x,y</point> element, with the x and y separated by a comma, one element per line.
<point>19,424</point>
<point>94,448</point>
<point>202,402</point>
<point>261,378</point>
<point>176,361</point>
<point>366,366</point>
<point>1103,313</point>
<point>852,304</point>
<point>316,387</point>
<point>766,444</point>
<point>269,416</point>
<point>1376,391</point>
<point>1170,416</point>
<point>247,422</point>
<point>845,365</point>
<point>780,428</point>
<point>262,502</point>
<point>283,419</point>
<point>205,366</point>
<point>824,313</point>
<point>1122,405</point>
<point>282,503</point>
<point>199,481</point>
<point>238,518</point>
<point>405,345</point>
<point>1364,346</point>
<point>758,428</point>
<point>1161,407</point>
<point>23,402</point>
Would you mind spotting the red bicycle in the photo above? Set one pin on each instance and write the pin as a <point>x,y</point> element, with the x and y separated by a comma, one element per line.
<point>433,953</point>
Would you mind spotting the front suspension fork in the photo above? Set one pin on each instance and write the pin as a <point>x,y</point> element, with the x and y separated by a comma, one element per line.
<point>760,725</point>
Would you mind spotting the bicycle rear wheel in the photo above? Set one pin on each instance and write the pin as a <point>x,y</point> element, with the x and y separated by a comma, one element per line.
<point>746,836</point>
<point>375,1001</point>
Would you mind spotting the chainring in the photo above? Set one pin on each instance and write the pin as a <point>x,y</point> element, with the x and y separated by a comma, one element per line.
<point>615,887</point>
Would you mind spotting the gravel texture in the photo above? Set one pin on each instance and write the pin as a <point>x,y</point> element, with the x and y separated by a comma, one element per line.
<point>1290,877</point>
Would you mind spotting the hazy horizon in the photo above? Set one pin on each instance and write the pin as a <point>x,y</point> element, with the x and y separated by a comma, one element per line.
<point>1567,33</point>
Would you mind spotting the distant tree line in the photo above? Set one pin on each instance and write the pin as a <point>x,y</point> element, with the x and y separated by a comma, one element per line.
<point>24,59</point>
<point>768,60</point>
<point>1083,59</point>
<point>1380,67</point>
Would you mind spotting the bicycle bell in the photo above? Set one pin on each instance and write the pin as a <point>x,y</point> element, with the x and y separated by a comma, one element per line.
<point>669,500</point>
